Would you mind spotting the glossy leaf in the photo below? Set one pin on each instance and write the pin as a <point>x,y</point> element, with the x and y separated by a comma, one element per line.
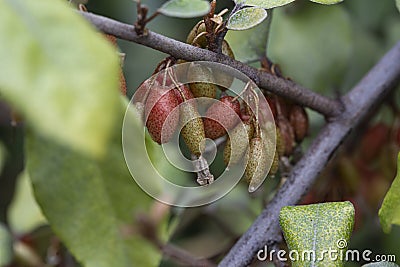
<point>246,18</point>
<point>267,4</point>
<point>250,45</point>
<point>185,8</point>
<point>313,45</point>
<point>90,202</point>
<point>6,251</point>
<point>317,227</point>
<point>58,73</point>
<point>389,213</point>
<point>326,2</point>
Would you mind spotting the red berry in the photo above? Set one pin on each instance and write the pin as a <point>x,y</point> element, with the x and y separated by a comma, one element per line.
<point>225,112</point>
<point>159,105</point>
<point>186,92</point>
<point>163,78</point>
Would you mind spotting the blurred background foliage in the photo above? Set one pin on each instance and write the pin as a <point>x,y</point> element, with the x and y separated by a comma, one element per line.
<point>327,49</point>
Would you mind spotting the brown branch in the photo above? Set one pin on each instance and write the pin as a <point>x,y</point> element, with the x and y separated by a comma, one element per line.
<point>274,84</point>
<point>368,93</point>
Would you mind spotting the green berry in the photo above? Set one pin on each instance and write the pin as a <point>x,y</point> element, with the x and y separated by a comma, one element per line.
<point>239,139</point>
<point>193,129</point>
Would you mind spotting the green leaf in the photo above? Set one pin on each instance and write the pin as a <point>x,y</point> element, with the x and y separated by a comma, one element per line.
<point>398,4</point>
<point>250,45</point>
<point>90,202</point>
<point>6,251</point>
<point>58,72</point>
<point>313,46</point>
<point>318,228</point>
<point>185,8</point>
<point>267,4</point>
<point>327,2</point>
<point>24,214</point>
<point>389,212</point>
<point>246,18</point>
<point>381,264</point>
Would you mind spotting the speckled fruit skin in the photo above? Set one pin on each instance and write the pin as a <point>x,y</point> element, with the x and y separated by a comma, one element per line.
<point>256,169</point>
<point>240,138</point>
<point>226,111</point>
<point>186,93</point>
<point>193,128</point>
<point>280,146</point>
<point>163,78</point>
<point>160,103</point>
<point>299,121</point>
<point>201,89</point>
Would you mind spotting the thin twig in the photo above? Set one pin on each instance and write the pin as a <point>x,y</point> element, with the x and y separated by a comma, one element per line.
<point>222,33</point>
<point>276,85</point>
<point>363,97</point>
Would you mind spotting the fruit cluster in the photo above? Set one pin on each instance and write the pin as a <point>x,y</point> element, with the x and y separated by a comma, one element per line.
<point>166,104</point>
<point>292,123</point>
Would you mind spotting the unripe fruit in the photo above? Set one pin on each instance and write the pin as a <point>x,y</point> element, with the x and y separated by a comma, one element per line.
<point>193,129</point>
<point>275,165</point>
<point>221,116</point>
<point>287,135</point>
<point>159,105</point>
<point>122,83</point>
<point>207,88</point>
<point>143,91</point>
<point>299,121</point>
<point>163,78</point>
<point>272,153</point>
<point>199,28</point>
<point>256,169</point>
<point>239,139</point>
<point>186,93</point>
<point>280,146</point>
<point>221,77</point>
